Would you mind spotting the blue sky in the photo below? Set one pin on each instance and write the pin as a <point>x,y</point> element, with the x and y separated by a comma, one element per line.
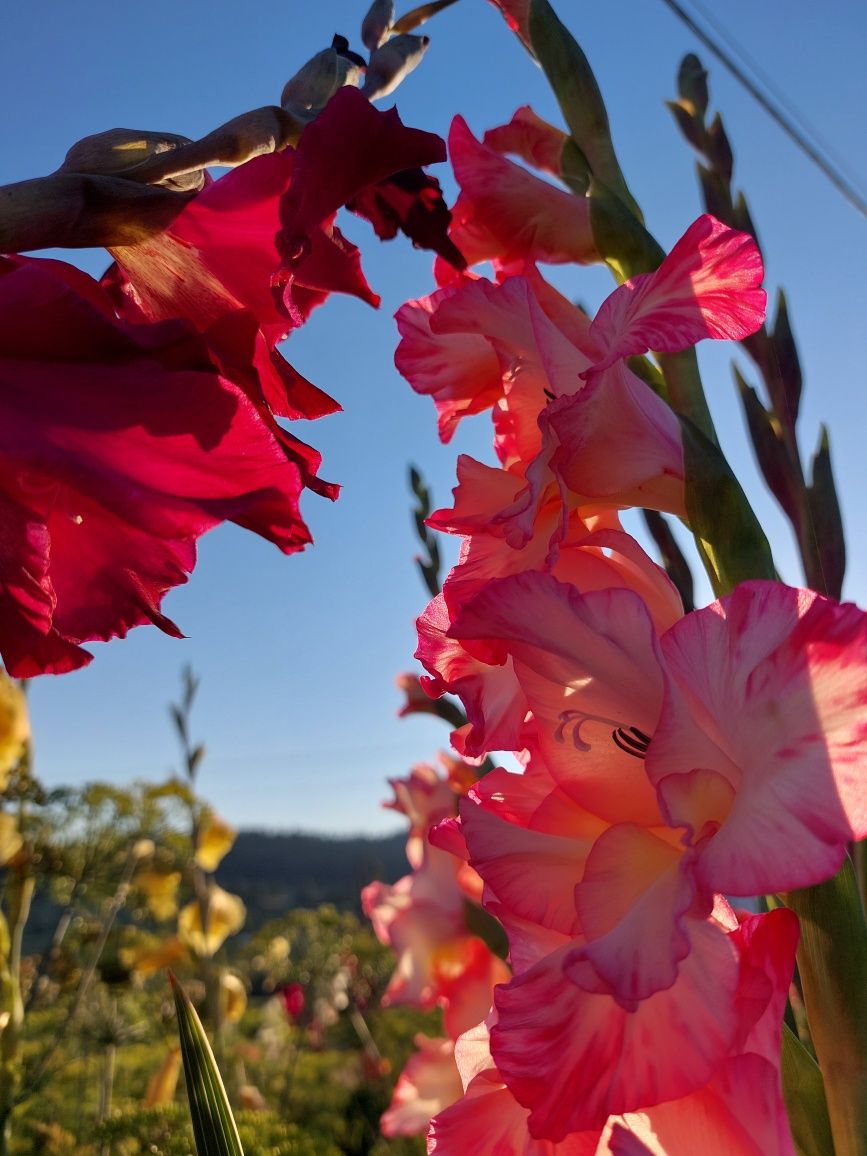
<point>298,656</point>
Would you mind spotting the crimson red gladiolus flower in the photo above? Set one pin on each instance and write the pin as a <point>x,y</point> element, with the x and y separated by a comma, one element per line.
<point>121,445</point>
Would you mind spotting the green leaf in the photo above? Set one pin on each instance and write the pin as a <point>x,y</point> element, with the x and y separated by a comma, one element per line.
<point>730,540</point>
<point>826,521</point>
<point>832,963</point>
<point>804,1094</point>
<point>770,449</point>
<point>788,362</point>
<point>571,77</point>
<point>213,1124</point>
<point>480,923</point>
<point>690,125</point>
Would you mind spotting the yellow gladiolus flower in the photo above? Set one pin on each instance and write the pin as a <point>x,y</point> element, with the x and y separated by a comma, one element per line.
<point>216,839</point>
<point>14,725</point>
<point>233,997</point>
<point>160,891</point>
<point>226,915</point>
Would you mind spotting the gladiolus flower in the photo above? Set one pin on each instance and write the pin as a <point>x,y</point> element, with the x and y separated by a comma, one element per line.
<point>570,418</point>
<point>428,1083</point>
<point>741,726</point>
<point>14,726</point>
<point>504,213</point>
<point>124,446</point>
<point>215,841</point>
<point>160,890</point>
<point>226,916</point>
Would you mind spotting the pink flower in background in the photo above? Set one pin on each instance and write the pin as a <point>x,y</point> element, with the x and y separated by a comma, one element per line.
<point>425,798</point>
<point>123,445</point>
<point>428,1084</point>
<point>294,1000</point>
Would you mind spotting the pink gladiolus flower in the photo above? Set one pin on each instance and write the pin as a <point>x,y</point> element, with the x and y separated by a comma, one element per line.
<point>743,723</point>
<point>535,141</point>
<point>427,1085</point>
<point>591,552</point>
<point>570,418</point>
<point>568,1050</point>
<point>737,1112</point>
<point>426,798</point>
<point>504,213</point>
<point>423,916</point>
<point>124,445</point>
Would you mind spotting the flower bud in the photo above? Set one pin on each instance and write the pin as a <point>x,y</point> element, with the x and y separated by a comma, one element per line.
<point>376,24</point>
<point>313,85</point>
<point>391,62</point>
<point>120,151</point>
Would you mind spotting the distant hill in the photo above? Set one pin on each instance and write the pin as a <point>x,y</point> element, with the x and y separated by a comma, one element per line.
<point>276,872</point>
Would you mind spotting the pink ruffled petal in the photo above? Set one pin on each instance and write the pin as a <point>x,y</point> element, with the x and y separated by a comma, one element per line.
<point>532,139</point>
<point>488,1121</point>
<point>707,286</point>
<point>588,667</point>
<point>459,370</point>
<point>533,873</point>
<point>553,1039</point>
<point>776,681</point>
<point>616,441</point>
<point>632,903</point>
<point>506,213</point>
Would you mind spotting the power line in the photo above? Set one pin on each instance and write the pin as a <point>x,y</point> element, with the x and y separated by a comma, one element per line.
<point>828,167</point>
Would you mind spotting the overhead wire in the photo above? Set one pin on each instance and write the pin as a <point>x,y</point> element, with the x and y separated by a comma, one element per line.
<point>785,119</point>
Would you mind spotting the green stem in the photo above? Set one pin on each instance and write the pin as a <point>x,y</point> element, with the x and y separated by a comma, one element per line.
<point>832,960</point>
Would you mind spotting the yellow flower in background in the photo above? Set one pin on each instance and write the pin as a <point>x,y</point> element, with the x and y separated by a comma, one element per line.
<point>160,891</point>
<point>233,997</point>
<point>163,1083</point>
<point>226,915</point>
<point>14,725</point>
<point>153,956</point>
<point>216,839</point>
<point>10,839</point>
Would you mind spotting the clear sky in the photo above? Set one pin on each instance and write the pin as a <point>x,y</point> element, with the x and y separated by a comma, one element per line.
<point>298,655</point>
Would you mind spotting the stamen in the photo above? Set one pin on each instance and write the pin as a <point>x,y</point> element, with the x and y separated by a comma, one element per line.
<point>631,741</point>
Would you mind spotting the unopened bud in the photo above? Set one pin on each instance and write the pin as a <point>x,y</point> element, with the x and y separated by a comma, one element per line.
<point>692,84</point>
<point>376,24</point>
<point>313,85</point>
<point>120,151</point>
<point>143,848</point>
<point>391,62</point>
